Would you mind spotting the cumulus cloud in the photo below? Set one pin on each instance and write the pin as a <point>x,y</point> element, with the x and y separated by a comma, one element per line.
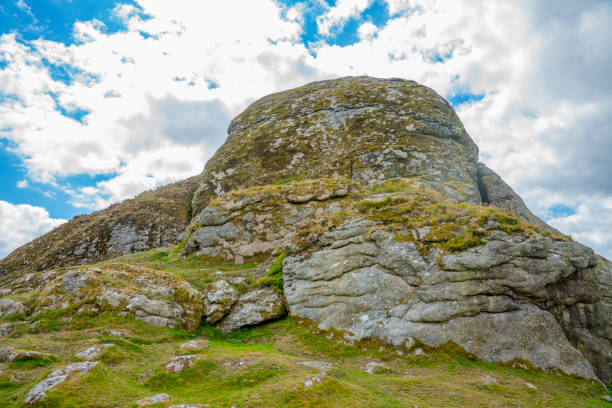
<point>338,15</point>
<point>22,223</point>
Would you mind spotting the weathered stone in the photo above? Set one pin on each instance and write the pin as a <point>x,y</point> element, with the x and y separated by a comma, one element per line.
<point>488,380</point>
<point>213,217</point>
<point>130,291</point>
<point>373,367</point>
<point>411,130</point>
<point>180,363</point>
<point>11,307</point>
<point>253,308</point>
<point>377,287</point>
<point>92,352</point>
<point>155,399</point>
<point>195,344</point>
<point>219,297</point>
<point>39,391</point>
<point>496,192</point>
<point>8,354</point>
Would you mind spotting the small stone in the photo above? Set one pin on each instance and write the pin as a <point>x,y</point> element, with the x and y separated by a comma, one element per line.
<point>531,386</point>
<point>488,380</point>
<point>6,329</point>
<point>371,367</point>
<point>300,199</point>
<point>10,307</point>
<point>317,379</point>
<point>180,363</point>
<point>155,399</point>
<point>92,352</point>
<point>119,333</point>
<point>319,365</point>
<point>607,398</point>
<point>189,406</point>
<point>195,344</point>
<point>418,352</point>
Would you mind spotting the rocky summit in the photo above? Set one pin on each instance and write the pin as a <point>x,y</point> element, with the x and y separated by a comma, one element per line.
<point>356,207</point>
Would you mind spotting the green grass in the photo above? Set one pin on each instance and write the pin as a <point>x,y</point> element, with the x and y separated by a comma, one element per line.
<point>35,362</point>
<point>135,368</point>
<point>291,179</point>
<point>274,275</point>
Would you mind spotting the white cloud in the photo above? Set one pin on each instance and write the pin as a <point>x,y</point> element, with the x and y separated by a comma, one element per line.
<point>22,184</point>
<point>338,15</point>
<point>22,223</point>
<point>148,99</point>
<point>591,224</point>
<point>366,31</point>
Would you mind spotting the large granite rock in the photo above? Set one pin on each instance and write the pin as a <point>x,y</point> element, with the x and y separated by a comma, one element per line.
<point>502,301</point>
<point>365,129</point>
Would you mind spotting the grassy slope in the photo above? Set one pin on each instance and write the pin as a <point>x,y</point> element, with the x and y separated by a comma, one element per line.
<point>271,377</point>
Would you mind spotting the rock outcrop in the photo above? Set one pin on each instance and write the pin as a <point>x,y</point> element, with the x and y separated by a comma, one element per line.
<point>360,128</point>
<point>158,298</point>
<point>390,230</point>
<point>152,219</point>
<point>419,242</point>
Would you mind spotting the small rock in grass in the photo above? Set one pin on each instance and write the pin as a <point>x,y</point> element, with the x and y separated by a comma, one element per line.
<point>39,391</point>
<point>92,352</point>
<point>607,398</point>
<point>317,379</point>
<point>9,354</point>
<point>531,386</point>
<point>155,399</point>
<point>370,368</point>
<point>180,363</point>
<point>6,329</point>
<point>319,365</point>
<point>189,406</point>
<point>195,344</point>
<point>488,380</point>
<point>11,307</point>
<point>119,333</point>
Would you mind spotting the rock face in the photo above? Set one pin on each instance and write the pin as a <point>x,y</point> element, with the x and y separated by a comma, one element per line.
<point>151,220</point>
<point>497,301</point>
<point>361,128</point>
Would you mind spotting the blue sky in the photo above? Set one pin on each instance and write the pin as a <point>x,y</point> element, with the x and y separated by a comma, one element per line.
<point>100,100</point>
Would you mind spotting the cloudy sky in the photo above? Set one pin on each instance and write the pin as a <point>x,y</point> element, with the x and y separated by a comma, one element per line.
<point>103,99</point>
